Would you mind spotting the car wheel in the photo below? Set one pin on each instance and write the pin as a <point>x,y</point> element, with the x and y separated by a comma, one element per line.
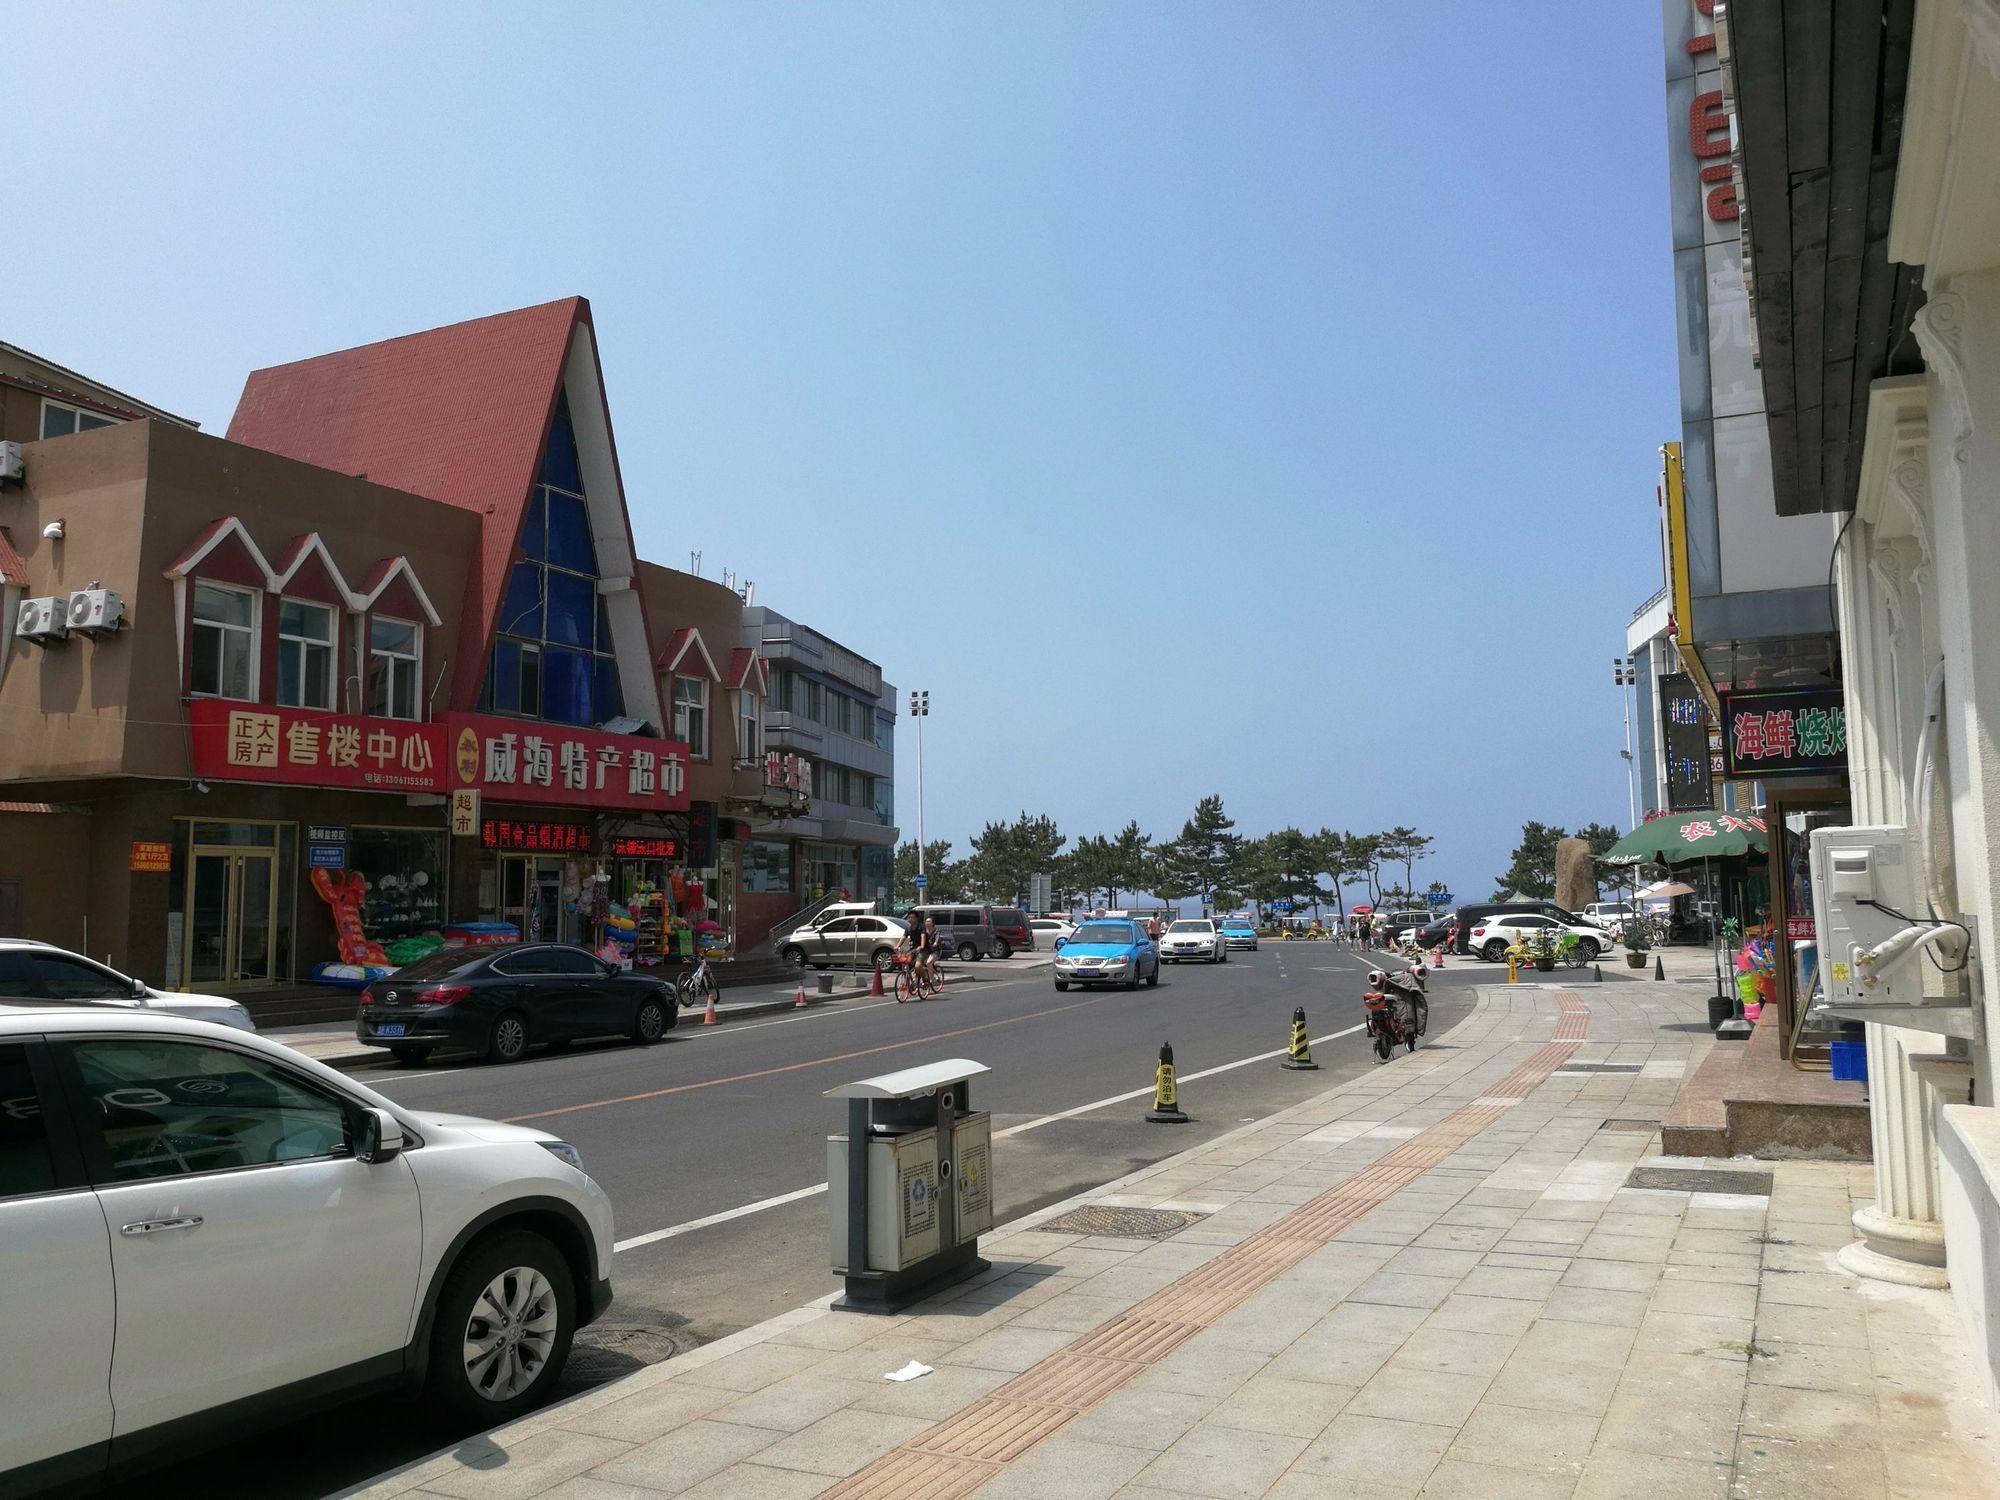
<point>411,1057</point>
<point>1062,986</point>
<point>796,957</point>
<point>967,953</point>
<point>649,1022</point>
<point>1588,948</point>
<point>508,1041</point>
<point>881,957</point>
<point>1494,951</point>
<point>1153,978</point>
<point>1132,979</point>
<point>503,1328</point>
<point>1002,950</point>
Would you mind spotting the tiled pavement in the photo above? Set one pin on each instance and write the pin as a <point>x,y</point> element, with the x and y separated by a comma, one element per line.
<point>1431,1280</point>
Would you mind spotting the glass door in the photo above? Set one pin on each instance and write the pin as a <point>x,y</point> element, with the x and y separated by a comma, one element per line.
<point>232,917</point>
<point>256,918</point>
<point>206,960</point>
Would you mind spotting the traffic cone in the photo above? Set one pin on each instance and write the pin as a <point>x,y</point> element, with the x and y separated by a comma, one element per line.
<point>876,987</point>
<point>1659,967</point>
<point>1166,1108</point>
<point>708,1017</point>
<point>1299,1056</point>
<point>1437,959</point>
<point>799,1002</point>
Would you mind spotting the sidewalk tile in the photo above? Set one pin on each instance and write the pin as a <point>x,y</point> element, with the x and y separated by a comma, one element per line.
<point>839,1444</point>
<point>1291,1408</point>
<point>1517,1261</point>
<point>1553,1385</point>
<point>1077,1312</point>
<point>1691,1333</point>
<point>1409,1392</point>
<point>516,1470</point>
<point>1205,1369</point>
<point>1455,1480</point>
<point>1821,1470</point>
<point>1393,1289</point>
<point>1470,1314</point>
<point>1622,1474</point>
<point>1142,1417</point>
<point>1813,1367</point>
<point>650,1412</point>
<point>1550,1444</point>
<point>1505,1281</point>
<point>1672,1428</point>
<point>1332,1359</point>
<point>682,1458</point>
<point>1371,1321</point>
<point>1576,1304</point>
<point>791,1404</point>
<point>1223,1462</point>
<point>1423,1262</point>
<point>945,1392</point>
<point>1683,1294</point>
<point>746,1481</point>
<point>1840,1418</point>
<point>1456,1351</point>
<point>1579,1343</point>
<point>1011,1348</point>
<point>871,1361</point>
<point>1069,1466</point>
<point>1842,1327</point>
<point>1443,1236</point>
<point>755,1367</point>
<point>835,1331</point>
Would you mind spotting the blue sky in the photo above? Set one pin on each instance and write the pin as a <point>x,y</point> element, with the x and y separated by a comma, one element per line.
<point>1266,396</point>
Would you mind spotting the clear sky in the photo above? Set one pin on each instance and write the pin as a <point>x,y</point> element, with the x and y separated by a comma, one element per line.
<point>1250,398</point>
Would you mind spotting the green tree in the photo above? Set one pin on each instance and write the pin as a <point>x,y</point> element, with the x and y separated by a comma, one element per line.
<point>1532,873</point>
<point>1129,859</point>
<point>1364,858</point>
<point>1330,853</point>
<point>939,870</point>
<point>1004,855</point>
<point>1405,846</point>
<point>1093,867</point>
<point>1209,847</point>
<point>1168,875</point>
<point>1600,836</point>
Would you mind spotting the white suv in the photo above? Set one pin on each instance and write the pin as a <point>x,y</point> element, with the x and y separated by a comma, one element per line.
<point>1493,936</point>
<point>205,1231</point>
<point>1193,938</point>
<point>41,971</point>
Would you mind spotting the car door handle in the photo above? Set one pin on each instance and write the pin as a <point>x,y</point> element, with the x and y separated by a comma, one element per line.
<point>160,1226</point>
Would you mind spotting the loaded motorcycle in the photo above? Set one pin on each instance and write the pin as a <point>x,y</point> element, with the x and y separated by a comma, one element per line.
<point>1399,1011</point>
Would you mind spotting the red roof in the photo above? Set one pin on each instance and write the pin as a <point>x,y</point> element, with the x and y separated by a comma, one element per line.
<point>11,570</point>
<point>456,414</point>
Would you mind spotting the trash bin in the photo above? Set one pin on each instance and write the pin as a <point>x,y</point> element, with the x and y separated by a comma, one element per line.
<point>905,1211</point>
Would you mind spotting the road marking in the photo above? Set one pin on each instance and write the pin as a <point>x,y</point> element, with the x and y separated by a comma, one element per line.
<point>747,1209</point>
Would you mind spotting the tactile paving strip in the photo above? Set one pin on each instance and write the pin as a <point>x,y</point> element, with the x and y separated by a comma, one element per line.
<point>954,1457</point>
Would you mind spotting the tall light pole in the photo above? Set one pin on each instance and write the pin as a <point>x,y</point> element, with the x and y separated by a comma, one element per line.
<point>1625,673</point>
<point>920,710</point>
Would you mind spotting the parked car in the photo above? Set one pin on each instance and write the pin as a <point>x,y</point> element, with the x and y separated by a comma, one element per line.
<point>207,1232</point>
<point>1239,932</point>
<point>1491,938</point>
<point>1435,933</point>
<point>1012,927</point>
<point>834,910</point>
<point>964,932</point>
<point>1048,929</point>
<point>1610,915</point>
<point>1107,951</point>
<point>1470,917</point>
<point>41,971</point>
<point>868,941</point>
<point>1194,937</point>
<point>500,1001</point>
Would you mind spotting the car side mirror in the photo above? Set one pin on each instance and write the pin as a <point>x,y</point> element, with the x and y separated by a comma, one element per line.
<point>378,1137</point>
<point>1060,941</point>
<point>139,990</point>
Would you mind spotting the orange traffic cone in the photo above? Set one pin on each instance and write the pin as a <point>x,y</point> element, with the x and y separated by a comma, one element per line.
<point>708,1017</point>
<point>1437,961</point>
<point>876,987</point>
<point>801,997</point>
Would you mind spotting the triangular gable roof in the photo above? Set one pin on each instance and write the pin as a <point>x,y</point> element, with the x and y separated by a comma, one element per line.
<point>748,669</point>
<point>293,558</point>
<point>682,641</point>
<point>456,414</point>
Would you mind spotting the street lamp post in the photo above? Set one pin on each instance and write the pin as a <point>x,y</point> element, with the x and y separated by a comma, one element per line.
<point>920,710</point>
<point>1625,673</point>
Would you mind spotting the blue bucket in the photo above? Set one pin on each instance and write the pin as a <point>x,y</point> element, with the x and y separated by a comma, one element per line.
<point>1850,1061</point>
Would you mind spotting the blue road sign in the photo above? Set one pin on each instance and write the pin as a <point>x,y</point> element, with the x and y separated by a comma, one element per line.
<point>1439,898</point>
<point>326,856</point>
<point>922,881</point>
<point>1281,904</point>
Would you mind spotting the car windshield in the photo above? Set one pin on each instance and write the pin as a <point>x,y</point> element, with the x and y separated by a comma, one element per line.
<point>1191,927</point>
<point>1103,932</point>
<point>441,964</point>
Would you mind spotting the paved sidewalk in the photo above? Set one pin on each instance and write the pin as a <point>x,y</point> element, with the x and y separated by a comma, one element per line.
<point>1437,1279</point>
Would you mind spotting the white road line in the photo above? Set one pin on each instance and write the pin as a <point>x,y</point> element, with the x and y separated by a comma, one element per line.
<point>817,1188</point>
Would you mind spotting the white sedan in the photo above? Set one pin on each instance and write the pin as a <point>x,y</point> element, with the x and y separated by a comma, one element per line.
<point>1194,938</point>
<point>41,971</point>
<point>1493,936</point>
<point>1048,929</point>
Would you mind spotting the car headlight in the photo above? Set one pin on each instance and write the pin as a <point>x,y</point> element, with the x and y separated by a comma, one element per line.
<point>1064,961</point>
<point>565,1151</point>
<point>1116,963</point>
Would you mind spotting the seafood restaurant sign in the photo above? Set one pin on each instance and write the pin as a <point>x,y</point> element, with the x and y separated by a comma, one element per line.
<point>505,760</point>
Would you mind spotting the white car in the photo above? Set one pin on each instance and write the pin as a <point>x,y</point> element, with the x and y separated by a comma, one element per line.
<point>41,971</point>
<point>1612,916</point>
<point>1048,929</point>
<point>1492,936</point>
<point>206,1230</point>
<point>1191,938</point>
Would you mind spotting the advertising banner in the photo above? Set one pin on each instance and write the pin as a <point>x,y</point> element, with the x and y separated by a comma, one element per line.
<point>1797,733</point>
<point>1684,729</point>
<point>514,760</point>
<point>297,747</point>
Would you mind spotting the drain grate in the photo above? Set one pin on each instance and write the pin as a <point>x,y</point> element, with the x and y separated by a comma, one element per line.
<point>1123,1223</point>
<point>1700,1180</point>
<point>1577,1067</point>
<point>602,1353</point>
<point>1636,1127</point>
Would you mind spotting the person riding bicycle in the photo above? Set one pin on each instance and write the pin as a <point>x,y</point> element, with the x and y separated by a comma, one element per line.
<point>922,940</point>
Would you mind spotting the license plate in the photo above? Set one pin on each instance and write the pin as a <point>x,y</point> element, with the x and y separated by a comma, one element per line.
<point>392,1028</point>
<point>1086,973</point>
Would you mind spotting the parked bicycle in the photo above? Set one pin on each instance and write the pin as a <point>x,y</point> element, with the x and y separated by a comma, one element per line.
<point>697,988</point>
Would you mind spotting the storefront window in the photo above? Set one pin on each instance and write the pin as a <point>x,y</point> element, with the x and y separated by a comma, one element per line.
<point>830,869</point>
<point>305,654</point>
<point>691,715</point>
<point>395,654</point>
<point>767,867</point>
<point>404,869</point>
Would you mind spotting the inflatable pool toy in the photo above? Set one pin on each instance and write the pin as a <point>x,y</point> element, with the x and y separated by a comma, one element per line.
<point>349,976</point>
<point>343,890</point>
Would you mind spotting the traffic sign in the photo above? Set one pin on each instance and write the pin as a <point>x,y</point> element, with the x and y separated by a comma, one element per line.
<point>1438,898</point>
<point>1283,903</point>
<point>922,881</point>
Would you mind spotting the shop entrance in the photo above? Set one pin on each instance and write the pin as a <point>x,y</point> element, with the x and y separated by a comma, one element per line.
<point>531,896</point>
<point>232,917</point>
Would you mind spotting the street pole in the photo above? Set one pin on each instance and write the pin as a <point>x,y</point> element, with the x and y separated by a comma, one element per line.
<point>1625,673</point>
<point>920,710</point>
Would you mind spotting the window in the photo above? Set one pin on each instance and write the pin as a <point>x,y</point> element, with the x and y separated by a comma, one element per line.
<point>885,730</point>
<point>884,801</point>
<point>48,976</point>
<point>225,642</point>
<point>169,1108</point>
<point>749,726</point>
<point>305,654</point>
<point>553,658</point>
<point>395,655</point>
<point>25,1166</point>
<point>59,420</point>
<point>767,867</point>
<point>815,701</point>
<point>691,715</point>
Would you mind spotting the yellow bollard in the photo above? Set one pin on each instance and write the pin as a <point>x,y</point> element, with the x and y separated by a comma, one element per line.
<point>1512,975</point>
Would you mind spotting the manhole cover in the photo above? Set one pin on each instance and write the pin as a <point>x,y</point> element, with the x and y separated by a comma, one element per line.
<point>1637,1127</point>
<point>1124,1223</point>
<point>1700,1180</point>
<point>604,1352</point>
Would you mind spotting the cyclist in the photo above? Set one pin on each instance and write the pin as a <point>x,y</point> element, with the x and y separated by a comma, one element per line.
<point>922,940</point>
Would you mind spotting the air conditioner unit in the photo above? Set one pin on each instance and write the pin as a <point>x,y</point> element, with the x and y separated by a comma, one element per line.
<point>11,468</point>
<point>95,611</point>
<point>42,620</point>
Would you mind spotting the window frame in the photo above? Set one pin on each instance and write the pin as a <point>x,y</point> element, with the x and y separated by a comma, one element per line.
<point>52,1107</point>
<point>97,419</point>
<point>749,727</point>
<point>331,645</point>
<point>696,750</point>
<point>414,658</point>
<point>196,624</point>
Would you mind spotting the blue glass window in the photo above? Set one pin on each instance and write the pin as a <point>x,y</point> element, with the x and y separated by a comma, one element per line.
<point>569,686</point>
<point>569,535</point>
<point>572,610</point>
<point>610,697</point>
<point>521,610</point>
<point>503,686</point>
<point>534,527</point>
<point>559,465</point>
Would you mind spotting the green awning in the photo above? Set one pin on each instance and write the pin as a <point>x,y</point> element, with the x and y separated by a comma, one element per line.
<point>1682,838</point>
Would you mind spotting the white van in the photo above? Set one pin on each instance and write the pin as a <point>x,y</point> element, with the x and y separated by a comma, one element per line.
<point>1610,915</point>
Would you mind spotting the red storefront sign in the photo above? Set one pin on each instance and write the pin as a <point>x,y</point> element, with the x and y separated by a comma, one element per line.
<point>534,835</point>
<point>629,847</point>
<point>297,747</point>
<point>517,760</point>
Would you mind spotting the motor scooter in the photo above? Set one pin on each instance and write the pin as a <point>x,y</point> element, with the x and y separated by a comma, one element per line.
<point>1399,1010</point>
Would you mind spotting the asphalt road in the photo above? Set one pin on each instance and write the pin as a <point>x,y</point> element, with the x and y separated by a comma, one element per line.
<point>712,1144</point>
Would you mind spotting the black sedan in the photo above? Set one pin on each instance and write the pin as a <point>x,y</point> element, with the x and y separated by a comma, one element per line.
<point>1437,932</point>
<point>498,1002</point>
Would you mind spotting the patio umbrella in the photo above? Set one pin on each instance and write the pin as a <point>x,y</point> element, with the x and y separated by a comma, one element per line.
<point>1665,890</point>
<point>1682,838</point>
